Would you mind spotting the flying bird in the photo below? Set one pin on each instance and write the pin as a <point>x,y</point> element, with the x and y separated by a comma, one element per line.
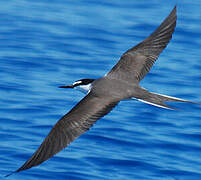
<point>103,94</point>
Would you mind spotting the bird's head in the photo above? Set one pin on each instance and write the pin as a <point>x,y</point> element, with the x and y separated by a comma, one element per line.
<point>84,85</point>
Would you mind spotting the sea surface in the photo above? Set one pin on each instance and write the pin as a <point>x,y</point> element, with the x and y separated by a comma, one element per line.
<point>46,44</point>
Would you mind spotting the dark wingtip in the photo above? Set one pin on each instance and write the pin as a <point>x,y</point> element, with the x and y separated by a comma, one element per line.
<point>174,9</point>
<point>10,174</point>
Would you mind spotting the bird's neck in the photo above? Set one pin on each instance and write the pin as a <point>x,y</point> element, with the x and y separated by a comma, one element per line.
<point>84,88</point>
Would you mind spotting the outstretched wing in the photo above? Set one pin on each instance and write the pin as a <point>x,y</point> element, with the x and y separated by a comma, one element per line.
<point>137,61</point>
<point>70,126</point>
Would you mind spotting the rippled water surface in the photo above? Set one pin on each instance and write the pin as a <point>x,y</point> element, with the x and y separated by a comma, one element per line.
<point>45,44</point>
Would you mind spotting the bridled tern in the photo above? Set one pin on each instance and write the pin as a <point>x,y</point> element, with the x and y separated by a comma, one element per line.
<point>103,94</point>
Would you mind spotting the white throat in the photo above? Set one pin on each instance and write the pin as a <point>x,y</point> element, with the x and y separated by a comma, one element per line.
<point>84,88</point>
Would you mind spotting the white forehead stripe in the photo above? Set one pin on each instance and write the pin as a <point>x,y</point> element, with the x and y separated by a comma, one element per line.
<point>77,82</point>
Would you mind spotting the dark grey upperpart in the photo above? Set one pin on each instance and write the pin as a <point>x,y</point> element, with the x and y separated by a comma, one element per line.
<point>136,62</point>
<point>120,83</point>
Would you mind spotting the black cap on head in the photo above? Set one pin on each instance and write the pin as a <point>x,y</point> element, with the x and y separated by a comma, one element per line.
<point>78,83</point>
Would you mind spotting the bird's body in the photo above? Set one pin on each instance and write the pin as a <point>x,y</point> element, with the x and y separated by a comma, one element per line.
<point>114,88</point>
<point>103,94</point>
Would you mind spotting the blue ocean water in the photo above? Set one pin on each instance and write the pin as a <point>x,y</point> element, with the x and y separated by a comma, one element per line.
<point>45,44</point>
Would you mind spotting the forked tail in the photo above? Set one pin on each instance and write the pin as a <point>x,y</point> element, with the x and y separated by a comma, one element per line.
<point>159,99</point>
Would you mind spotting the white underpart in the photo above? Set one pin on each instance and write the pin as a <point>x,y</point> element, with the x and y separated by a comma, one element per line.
<point>83,88</point>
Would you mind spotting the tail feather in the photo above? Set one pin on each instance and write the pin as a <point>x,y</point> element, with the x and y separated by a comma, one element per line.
<point>159,99</point>
<point>161,105</point>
